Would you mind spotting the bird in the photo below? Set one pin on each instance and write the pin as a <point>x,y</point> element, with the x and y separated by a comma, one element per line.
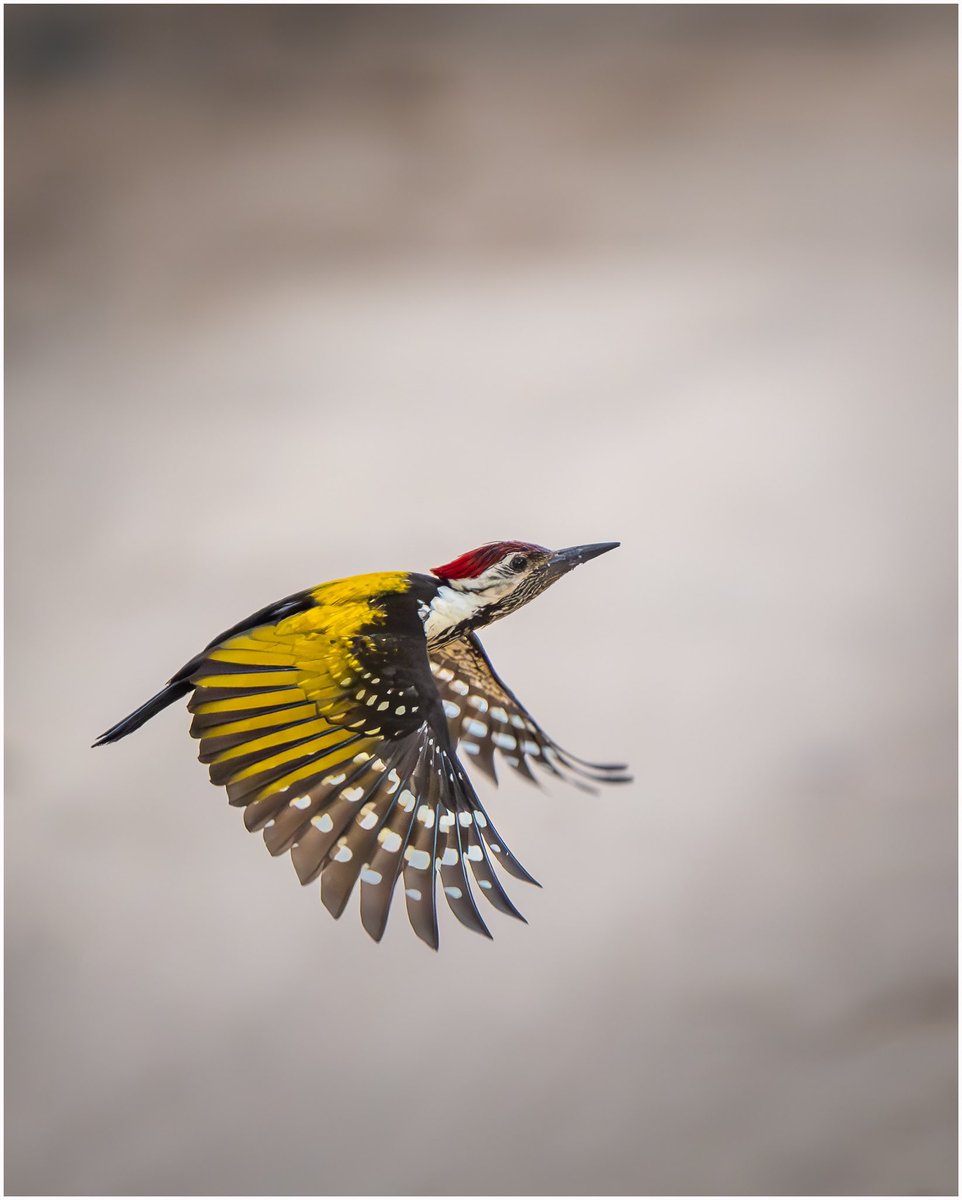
<point>337,719</point>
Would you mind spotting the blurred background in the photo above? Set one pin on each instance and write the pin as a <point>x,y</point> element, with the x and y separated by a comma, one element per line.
<point>302,292</point>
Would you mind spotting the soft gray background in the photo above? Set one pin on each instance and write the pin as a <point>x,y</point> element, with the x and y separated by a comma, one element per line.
<point>302,293</point>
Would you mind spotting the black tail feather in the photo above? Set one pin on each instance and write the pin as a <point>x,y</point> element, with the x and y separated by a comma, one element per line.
<point>167,695</point>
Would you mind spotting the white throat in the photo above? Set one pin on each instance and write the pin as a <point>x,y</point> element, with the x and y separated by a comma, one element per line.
<point>453,606</point>
<point>450,608</point>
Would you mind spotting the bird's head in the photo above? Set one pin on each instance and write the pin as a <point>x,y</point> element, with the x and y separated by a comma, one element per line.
<point>488,583</point>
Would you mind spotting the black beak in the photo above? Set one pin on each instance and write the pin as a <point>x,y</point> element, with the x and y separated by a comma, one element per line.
<point>563,560</point>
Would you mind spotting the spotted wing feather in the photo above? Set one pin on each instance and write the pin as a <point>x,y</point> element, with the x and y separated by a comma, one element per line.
<point>484,716</point>
<point>338,750</point>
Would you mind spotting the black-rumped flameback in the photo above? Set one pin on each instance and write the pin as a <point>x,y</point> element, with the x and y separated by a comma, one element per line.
<point>336,719</point>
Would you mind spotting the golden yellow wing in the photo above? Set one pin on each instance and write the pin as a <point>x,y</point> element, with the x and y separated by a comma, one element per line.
<point>327,727</point>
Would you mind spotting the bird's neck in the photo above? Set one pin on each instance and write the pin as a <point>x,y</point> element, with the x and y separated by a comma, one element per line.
<point>453,611</point>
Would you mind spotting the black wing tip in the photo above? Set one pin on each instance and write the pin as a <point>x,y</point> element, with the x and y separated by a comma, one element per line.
<point>516,870</point>
<point>595,772</point>
<point>511,911</point>
<point>605,768</point>
<point>167,695</point>
<point>509,863</point>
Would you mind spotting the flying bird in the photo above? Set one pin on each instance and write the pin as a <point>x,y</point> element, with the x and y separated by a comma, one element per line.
<point>334,718</point>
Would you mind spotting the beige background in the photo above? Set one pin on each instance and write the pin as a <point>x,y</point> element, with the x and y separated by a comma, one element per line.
<point>297,294</point>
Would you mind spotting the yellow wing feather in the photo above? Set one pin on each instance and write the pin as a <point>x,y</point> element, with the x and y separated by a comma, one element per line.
<point>292,709</point>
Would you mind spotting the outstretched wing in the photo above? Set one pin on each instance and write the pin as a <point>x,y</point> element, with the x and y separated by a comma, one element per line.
<point>484,715</point>
<point>327,728</point>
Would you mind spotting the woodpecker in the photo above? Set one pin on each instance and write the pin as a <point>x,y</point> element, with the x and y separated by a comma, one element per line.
<point>334,718</point>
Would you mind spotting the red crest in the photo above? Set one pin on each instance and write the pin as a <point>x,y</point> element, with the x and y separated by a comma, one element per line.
<point>476,562</point>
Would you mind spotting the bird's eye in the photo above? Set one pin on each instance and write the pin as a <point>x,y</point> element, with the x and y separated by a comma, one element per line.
<point>518,563</point>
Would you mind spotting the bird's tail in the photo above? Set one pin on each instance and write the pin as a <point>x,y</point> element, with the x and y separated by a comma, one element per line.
<point>167,695</point>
